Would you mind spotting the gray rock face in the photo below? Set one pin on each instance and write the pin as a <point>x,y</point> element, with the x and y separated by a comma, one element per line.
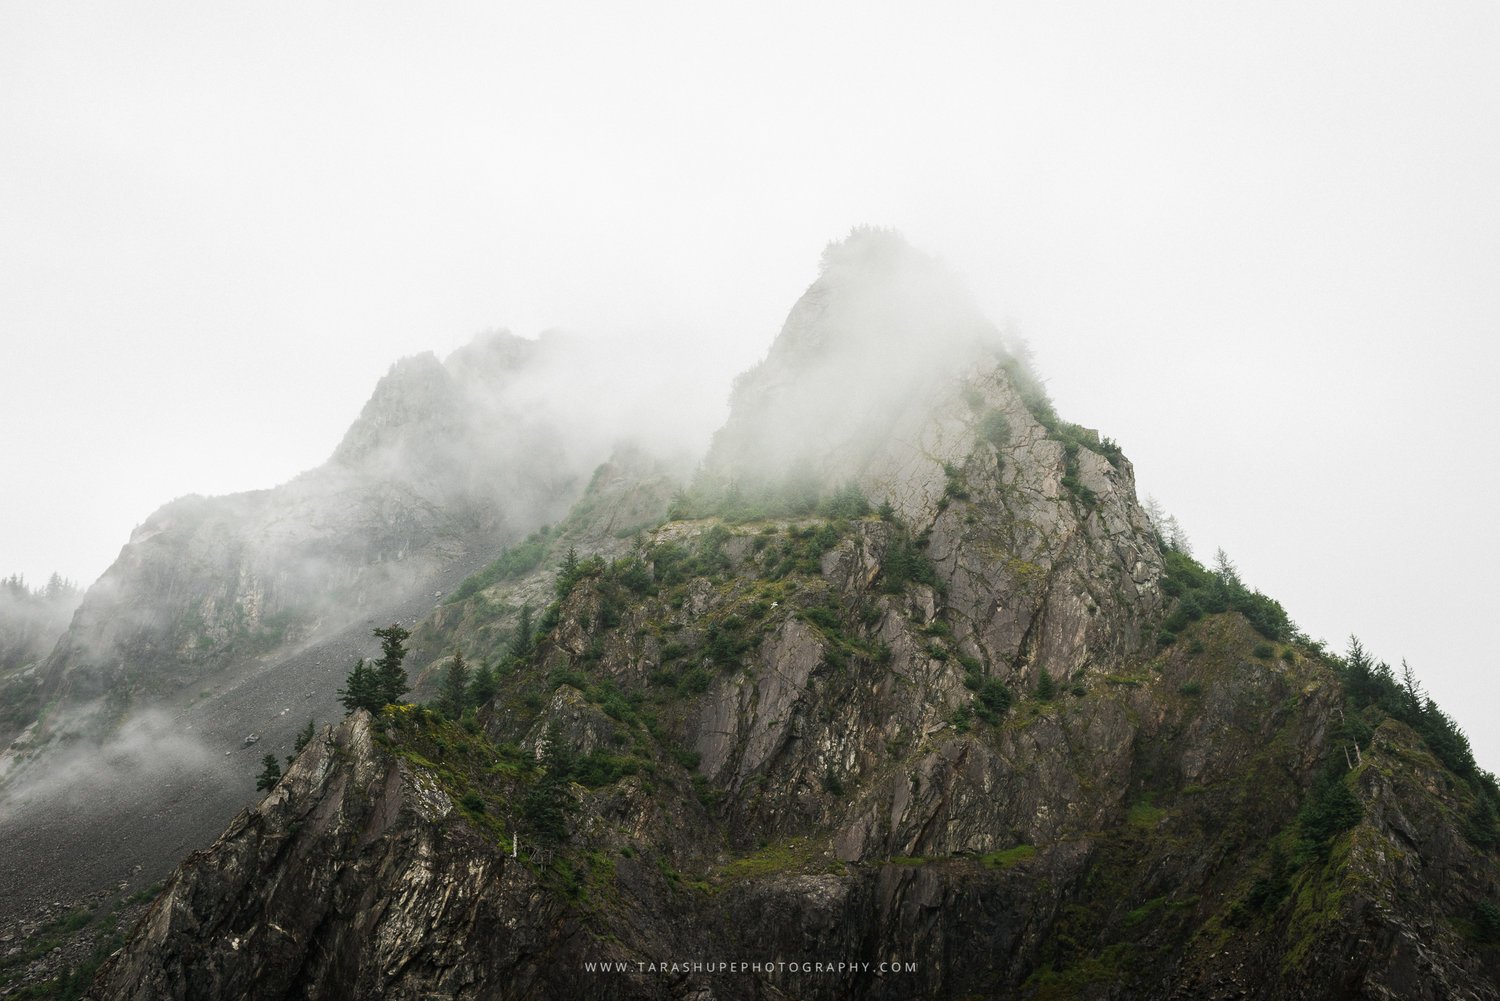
<point>341,796</point>
<point>1101,843</point>
<point>933,752</point>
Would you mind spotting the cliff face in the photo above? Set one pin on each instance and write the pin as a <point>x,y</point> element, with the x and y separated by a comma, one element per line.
<point>984,739</point>
<point>1125,842</point>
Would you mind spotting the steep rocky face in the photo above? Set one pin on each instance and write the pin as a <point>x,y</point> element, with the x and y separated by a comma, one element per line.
<point>1122,842</point>
<point>932,716</point>
<point>227,622</point>
<point>886,377</point>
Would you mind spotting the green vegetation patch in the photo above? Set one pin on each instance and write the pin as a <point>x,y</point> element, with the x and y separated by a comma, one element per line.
<point>1083,978</point>
<point>1144,813</point>
<point>793,497</point>
<point>792,856</point>
<point>515,562</point>
<point>1009,857</point>
<point>1201,592</point>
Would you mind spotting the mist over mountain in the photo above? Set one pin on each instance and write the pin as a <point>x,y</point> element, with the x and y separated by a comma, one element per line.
<point>31,620</point>
<point>860,357</point>
<point>226,622</point>
<point>900,678</point>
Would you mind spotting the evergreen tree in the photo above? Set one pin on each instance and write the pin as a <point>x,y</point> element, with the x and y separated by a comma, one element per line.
<point>1228,574</point>
<point>1176,539</point>
<point>482,688</point>
<point>1046,688</point>
<point>453,695</point>
<point>524,640</point>
<point>361,690</point>
<point>270,774</point>
<point>568,573</point>
<point>1412,693</point>
<point>304,736</point>
<point>390,676</point>
<point>547,803</point>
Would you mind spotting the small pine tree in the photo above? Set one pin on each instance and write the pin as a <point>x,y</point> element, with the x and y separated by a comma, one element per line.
<point>482,688</point>
<point>453,696</point>
<point>361,690</point>
<point>524,640</point>
<point>567,574</point>
<point>1046,688</point>
<point>1227,572</point>
<point>389,674</point>
<point>1412,692</point>
<point>270,774</point>
<point>304,736</point>
<point>547,803</point>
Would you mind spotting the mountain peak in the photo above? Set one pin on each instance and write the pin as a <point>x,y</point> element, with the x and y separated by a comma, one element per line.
<point>870,247</point>
<point>877,345</point>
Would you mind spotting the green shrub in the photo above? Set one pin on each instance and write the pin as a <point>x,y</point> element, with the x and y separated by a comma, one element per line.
<point>1201,592</point>
<point>1331,810</point>
<point>1046,688</point>
<point>994,696</point>
<point>956,486</point>
<point>600,768</point>
<point>515,562</point>
<point>904,563</point>
<point>695,681</point>
<point>995,429</point>
<point>846,502</point>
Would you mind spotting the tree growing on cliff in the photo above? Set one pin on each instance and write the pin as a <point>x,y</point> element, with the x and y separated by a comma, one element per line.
<point>1046,687</point>
<point>453,695</point>
<point>305,736</point>
<point>362,690</point>
<point>390,676</point>
<point>524,639</point>
<point>567,574</point>
<point>270,774</point>
<point>548,802</point>
<point>482,688</point>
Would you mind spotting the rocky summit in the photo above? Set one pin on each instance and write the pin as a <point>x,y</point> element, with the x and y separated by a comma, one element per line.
<point>904,695</point>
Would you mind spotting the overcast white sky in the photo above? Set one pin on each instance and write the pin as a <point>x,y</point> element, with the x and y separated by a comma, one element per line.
<point>1259,244</point>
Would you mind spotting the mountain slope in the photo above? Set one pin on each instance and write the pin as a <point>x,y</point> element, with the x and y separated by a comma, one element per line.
<point>930,704</point>
<point>236,616</point>
<point>432,471</point>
